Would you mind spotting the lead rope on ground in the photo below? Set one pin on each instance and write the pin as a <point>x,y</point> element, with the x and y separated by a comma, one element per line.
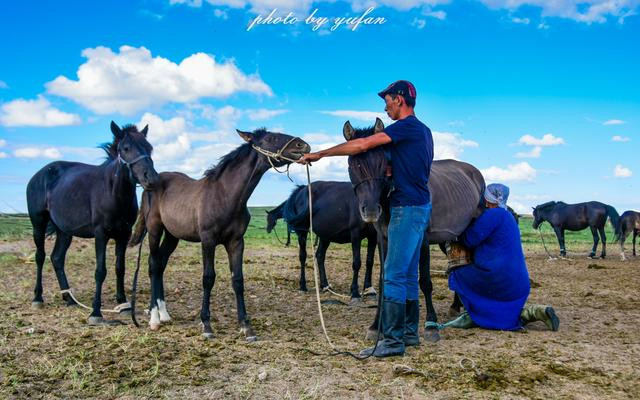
<point>116,310</point>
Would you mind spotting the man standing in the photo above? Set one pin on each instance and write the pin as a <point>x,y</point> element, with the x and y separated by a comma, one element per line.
<point>409,145</point>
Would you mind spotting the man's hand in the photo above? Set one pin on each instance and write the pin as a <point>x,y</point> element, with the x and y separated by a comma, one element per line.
<point>309,158</point>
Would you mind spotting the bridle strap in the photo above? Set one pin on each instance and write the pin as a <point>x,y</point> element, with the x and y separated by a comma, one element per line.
<point>277,156</point>
<point>135,160</point>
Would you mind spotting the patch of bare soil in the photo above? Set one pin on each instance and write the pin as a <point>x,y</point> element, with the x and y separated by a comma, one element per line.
<point>52,353</point>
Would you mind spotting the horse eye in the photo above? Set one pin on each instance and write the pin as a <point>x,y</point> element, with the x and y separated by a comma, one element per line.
<point>126,148</point>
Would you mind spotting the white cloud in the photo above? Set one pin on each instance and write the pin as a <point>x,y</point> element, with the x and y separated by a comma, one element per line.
<point>419,23</point>
<point>36,152</point>
<point>449,145</point>
<point>366,116</point>
<point>133,79</point>
<point>524,21</point>
<point>263,113</point>
<point>618,138</point>
<point>3,85</point>
<point>521,172</point>
<point>546,140</point>
<point>543,25</point>
<point>614,122</point>
<point>535,152</point>
<point>38,112</point>
<point>622,172</point>
<point>441,15</point>
<point>317,138</point>
<point>587,11</point>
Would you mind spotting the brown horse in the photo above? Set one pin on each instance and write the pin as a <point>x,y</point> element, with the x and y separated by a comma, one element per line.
<point>629,223</point>
<point>213,211</point>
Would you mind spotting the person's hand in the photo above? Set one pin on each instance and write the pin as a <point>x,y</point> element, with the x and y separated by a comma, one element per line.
<point>308,158</point>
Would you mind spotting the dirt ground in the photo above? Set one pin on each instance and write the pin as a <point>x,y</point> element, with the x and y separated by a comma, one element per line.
<point>52,353</point>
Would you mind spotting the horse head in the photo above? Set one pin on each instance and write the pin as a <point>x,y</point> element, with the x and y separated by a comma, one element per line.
<point>272,219</point>
<point>367,172</point>
<point>278,149</point>
<point>131,149</point>
<point>539,213</point>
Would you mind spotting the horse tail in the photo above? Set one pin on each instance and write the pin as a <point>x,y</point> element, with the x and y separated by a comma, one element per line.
<point>296,215</point>
<point>615,221</point>
<point>140,228</point>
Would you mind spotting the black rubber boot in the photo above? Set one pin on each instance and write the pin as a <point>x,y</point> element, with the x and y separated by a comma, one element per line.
<point>393,317</point>
<point>411,323</point>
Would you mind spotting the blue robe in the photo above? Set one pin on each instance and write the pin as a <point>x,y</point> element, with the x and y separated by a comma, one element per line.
<point>495,287</point>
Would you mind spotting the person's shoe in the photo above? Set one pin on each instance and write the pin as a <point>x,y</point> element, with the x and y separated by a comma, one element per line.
<point>393,320</point>
<point>536,312</point>
<point>412,323</point>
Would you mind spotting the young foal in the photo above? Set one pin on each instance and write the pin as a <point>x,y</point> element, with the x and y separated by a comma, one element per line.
<point>213,211</point>
<point>75,199</point>
<point>629,223</point>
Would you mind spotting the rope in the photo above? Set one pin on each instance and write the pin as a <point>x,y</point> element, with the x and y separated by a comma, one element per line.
<point>117,309</point>
<point>551,258</point>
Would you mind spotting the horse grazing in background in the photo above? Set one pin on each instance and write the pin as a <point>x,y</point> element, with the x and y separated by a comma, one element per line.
<point>629,223</point>
<point>272,219</point>
<point>335,220</point>
<point>213,211</point>
<point>74,199</point>
<point>456,188</point>
<point>576,217</point>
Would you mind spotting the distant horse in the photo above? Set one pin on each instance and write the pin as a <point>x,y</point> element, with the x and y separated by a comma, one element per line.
<point>335,220</point>
<point>576,217</point>
<point>629,223</point>
<point>272,219</point>
<point>213,211</point>
<point>89,201</point>
<point>456,195</point>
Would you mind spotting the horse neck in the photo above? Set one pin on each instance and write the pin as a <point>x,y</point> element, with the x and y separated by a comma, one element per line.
<point>120,187</point>
<point>240,179</point>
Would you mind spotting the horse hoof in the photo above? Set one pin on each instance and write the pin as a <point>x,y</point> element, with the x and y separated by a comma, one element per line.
<point>251,339</point>
<point>431,335</point>
<point>370,292</point>
<point>154,326</point>
<point>207,335</point>
<point>37,305</point>
<point>372,335</point>
<point>355,302</point>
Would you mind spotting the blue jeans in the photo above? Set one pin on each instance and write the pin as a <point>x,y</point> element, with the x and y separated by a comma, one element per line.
<point>406,230</point>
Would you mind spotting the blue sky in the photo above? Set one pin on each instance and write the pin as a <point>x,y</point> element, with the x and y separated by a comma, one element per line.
<point>543,97</point>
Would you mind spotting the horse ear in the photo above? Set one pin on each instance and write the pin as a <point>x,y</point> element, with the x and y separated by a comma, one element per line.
<point>247,136</point>
<point>348,131</point>
<point>145,130</point>
<point>379,125</point>
<point>117,132</point>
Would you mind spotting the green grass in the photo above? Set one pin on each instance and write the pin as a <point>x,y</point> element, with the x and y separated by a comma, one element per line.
<point>18,226</point>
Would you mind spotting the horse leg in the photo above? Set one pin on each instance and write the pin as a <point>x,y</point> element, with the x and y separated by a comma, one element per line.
<point>426,286</point>
<point>622,238</point>
<point>302,255</point>
<point>560,235</point>
<point>356,263</point>
<point>372,332</point>
<point>321,252</point>
<point>101,272</point>
<point>39,232</point>
<point>63,241</point>
<point>235,249</point>
<point>594,233</point>
<point>208,280</point>
<point>603,236</point>
<point>121,297</point>
<point>169,244</point>
<point>155,262</point>
<point>368,290</point>
<point>635,234</point>
<point>454,310</point>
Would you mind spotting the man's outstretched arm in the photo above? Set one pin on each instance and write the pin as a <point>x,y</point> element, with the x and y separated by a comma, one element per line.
<point>348,148</point>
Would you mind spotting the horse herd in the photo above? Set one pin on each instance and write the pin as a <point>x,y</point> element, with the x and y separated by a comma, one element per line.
<point>75,199</point>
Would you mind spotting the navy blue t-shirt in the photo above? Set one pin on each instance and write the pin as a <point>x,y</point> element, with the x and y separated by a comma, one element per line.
<point>411,155</point>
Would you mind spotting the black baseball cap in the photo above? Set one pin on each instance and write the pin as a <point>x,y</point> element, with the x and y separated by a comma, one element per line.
<point>403,88</point>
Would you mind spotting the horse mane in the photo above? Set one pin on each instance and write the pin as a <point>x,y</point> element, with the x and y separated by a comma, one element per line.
<point>363,132</point>
<point>111,149</point>
<point>225,161</point>
<point>548,204</point>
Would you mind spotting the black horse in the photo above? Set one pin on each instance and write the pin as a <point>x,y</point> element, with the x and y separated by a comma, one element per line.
<point>335,220</point>
<point>213,211</point>
<point>89,201</point>
<point>576,217</point>
<point>272,219</point>
<point>457,197</point>
<point>629,223</point>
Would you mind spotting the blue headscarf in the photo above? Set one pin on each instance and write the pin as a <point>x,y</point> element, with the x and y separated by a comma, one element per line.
<point>497,193</point>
